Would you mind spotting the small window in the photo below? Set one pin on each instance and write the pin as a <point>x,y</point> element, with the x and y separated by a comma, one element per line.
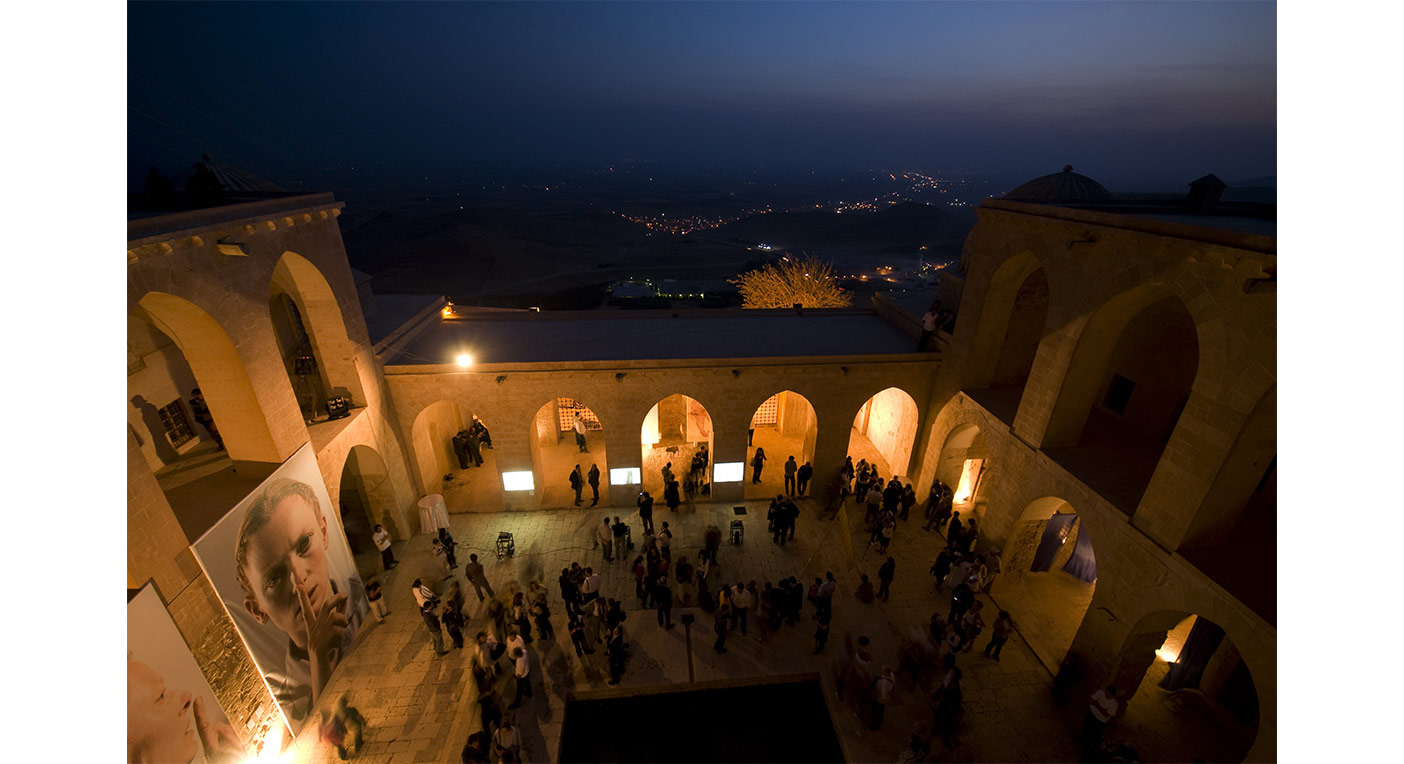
<point>177,424</point>
<point>1118,394</point>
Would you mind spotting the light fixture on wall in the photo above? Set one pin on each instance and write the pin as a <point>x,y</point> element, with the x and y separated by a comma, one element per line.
<point>736,373</point>
<point>619,376</point>
<point>501,378</point>
<point>464,360</point>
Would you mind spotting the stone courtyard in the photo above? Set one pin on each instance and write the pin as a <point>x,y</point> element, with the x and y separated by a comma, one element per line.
<point>418,711</point>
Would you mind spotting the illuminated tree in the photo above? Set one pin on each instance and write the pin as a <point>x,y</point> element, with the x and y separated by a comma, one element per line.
<point>806,280</point>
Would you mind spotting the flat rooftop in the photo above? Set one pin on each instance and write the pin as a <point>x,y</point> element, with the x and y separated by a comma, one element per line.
<point>531,337</point>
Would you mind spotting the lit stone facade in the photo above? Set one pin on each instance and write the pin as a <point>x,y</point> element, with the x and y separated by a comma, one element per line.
<point>1100,270</point>
<point>205,279</point>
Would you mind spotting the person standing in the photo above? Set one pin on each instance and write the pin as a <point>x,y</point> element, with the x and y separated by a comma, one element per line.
<point>580,435</point>
<point>473,571</point>
<point>928,326</point>
<point>570,593</point>
<point>450,547</point>
<point>381,537</point>
<point>665,544</point>
<point>663,600</point>
<point>620,531</point>
<point>667,473</point>
<point>671,496</point>
<point>423,595</point>
<point>473,453</point>
<point>882,693</point>
<point>885,576</point>
<point>441,557</point>
<point>719,622</point>
<point>577,482</point>
<point>821,632</point>
<point>617,654</point>
<point>645,503</point>
<point>1002,628</point>
<point>541,614</point>
<point>824,598</point>
<point>757,464</point>
<point>453,622</point>
<point>803,475</point>
<point>742,601</point>
<point>376,598</point>
<point>521,670</point>
<point>790,469</point>
<point>576,625</point>
<point>1099,712</point>
<point>606,537</point>
<point>507,741</point>
<point>436,634</point>
<point>460,449</point>
<point>594,479</point>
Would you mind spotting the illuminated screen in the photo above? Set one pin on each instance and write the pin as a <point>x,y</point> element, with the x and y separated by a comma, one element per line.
<point>517,481</point>
<point>729,472</point>
<point>625,476</point>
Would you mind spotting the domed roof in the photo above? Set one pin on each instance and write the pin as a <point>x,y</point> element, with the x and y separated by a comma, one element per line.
<point>1065,186</point>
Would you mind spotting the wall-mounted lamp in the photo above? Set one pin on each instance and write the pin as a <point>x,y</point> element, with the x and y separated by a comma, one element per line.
<point>736,373</point>
<point>844,369</point>
<point>501,378</point>
<point>619,376</point>
<point>464,360</point>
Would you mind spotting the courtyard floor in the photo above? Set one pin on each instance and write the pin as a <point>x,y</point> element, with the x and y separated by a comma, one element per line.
<point>418,711</point>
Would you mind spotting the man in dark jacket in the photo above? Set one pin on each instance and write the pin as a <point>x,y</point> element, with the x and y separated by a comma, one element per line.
<point>663,600</point>
<point>646,511</point>
<point>594,480</point>
<point>577,482</point>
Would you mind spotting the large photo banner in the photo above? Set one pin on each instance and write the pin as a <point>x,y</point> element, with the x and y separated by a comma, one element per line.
<point>172,714</point>
<point>280,563</point>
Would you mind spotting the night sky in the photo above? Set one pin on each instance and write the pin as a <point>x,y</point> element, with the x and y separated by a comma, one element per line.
<point>1133,94</point>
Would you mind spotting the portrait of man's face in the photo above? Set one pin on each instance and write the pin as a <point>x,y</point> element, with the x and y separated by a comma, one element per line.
<point>159,727</point>
<point>287,553</point>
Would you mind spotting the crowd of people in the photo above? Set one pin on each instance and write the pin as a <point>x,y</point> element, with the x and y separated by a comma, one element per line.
<point>926,661</point>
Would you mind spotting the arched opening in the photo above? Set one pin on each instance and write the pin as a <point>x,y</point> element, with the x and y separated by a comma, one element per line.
<point>311,336</point>
<point>1194,698</point>
<point>175,347</point>
<point>564,433</point>
<point>962,465</point>
<point>1123,393</point>
<point>786,427</point>
<point>447,467</point>
<point>1050,575</point>
<point>367,498</point>
<point>676,430</point>
<point>1233,537</point>
<point>1007,337</point>
<point>884,431</point>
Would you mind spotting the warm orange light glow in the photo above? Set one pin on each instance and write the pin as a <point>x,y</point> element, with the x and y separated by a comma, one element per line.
<point>465,360</point>
<point>968,475</point>
<point>1169,656</point>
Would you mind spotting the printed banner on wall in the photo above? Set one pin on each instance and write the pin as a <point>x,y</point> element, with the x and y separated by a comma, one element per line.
<point>280,563</point>
<point>172,714</point>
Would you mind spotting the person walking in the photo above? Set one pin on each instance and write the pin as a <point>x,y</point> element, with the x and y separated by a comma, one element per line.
<point>885,575</point>
<point>757,464</point>
<point>790,469</point>
<point>864,592</point>
<point>821,632</point>
<point>577,482</point>
<point>521,616</point>
<point>882,693</point>
<point>381,537</point>
<point>473,571</point>
<point>663,601</point>
<point>201,410</point>
<point>541,615</point>
<point>575,624</point>
<point>580,434</point>
<point>1000,631</point>
<point>593,478</point>
<point>507,741</point>
<point>803,476</point>
<point>441,557</point>
<point>453,622</point>
<point>948,699</point>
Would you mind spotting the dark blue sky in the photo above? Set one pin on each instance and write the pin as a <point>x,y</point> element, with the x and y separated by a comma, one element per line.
<point>1131,93</point>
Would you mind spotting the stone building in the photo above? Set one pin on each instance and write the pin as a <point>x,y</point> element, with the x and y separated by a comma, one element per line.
<point>1110,377</point>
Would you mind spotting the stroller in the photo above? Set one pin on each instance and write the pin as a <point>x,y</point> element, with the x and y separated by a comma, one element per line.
<point>505,545</point>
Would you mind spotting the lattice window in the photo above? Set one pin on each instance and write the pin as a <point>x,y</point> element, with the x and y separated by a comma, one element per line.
<point>768,413</point>
<point>177,424</point>
<point>568,408</point>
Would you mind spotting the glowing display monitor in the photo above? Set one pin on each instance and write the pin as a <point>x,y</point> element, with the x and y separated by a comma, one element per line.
<point>729,472</point>
<point>518,481</point>
<point>625,476</point>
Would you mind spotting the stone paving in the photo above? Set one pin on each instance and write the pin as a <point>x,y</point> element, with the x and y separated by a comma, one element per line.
<point>418,710</point>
